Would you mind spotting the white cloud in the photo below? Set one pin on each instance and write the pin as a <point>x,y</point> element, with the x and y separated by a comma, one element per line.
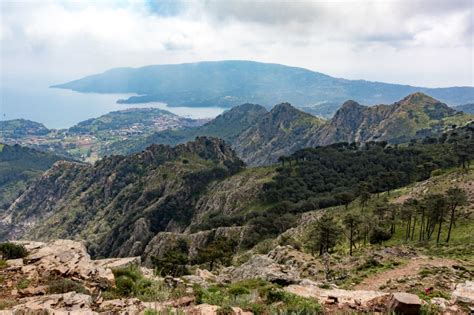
<point>416,42</point>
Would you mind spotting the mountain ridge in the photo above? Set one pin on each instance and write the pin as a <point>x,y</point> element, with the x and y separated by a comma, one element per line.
<point>233,82</point>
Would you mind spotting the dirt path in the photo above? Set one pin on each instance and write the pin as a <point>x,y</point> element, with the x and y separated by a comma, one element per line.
<point>411,268</point>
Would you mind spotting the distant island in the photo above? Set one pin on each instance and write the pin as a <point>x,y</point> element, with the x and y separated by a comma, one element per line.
<point>231,83</point>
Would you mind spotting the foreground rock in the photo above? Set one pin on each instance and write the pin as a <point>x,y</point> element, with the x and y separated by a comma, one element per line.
<point>405,303</point>
<point>68,303</point>
<point>64,258</point>
<point>464,293</point>
<point>335,296</point>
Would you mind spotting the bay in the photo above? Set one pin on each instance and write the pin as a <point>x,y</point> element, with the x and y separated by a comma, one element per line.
<point>58,108</point>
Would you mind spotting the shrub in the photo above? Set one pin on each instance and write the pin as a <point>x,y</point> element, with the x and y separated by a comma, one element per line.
<point>3,263</point>
<point>226,310</point>
<point>12,251</point>
<point>379,235</point>
<point>59,286</point>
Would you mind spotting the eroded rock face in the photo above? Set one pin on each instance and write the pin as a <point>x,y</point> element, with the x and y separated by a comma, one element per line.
<point>67,259</point>
<point>261,267</point>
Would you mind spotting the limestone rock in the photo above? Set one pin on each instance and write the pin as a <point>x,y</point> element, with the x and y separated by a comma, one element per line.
<point>205,274</point>
<point>68,303</point>
<point>464,292</point>
<point>405,303</point>
<point>262,267</point>
<point>115,263</point>
<point>65,258</point>
<point>122,306</point>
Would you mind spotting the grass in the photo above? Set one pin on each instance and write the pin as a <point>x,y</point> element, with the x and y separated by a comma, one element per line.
<point>257,296</point>
<point>130,282</point>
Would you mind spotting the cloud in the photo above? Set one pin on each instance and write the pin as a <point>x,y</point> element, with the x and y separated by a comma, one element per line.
<point>418,42</point>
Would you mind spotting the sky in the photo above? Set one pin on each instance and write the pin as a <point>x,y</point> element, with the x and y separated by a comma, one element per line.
<point>417,42</point>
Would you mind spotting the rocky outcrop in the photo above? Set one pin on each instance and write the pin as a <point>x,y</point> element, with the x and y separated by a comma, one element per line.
<point>68,303</point>
<point>164,241</point>
<point>260,267</point>
<point>120,203</point>
<point>65,259</point>
<point>282,131</point>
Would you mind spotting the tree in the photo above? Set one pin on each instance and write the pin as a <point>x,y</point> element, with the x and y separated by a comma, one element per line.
<point>219,250</point>
<point>345,198</point>
<point>364,194</point>
<point>455,197</point>
<point>174,261</point>
<point>325,234</point>
<point>352,224</point>
<point>436,205</point>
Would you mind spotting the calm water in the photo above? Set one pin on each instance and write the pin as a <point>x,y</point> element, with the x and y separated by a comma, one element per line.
<point>57,108</point>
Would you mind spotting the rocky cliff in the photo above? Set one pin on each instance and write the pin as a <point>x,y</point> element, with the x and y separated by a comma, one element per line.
<point>121,202</point>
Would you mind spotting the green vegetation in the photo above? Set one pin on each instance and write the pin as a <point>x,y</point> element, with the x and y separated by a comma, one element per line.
<point>258,296</point>
<point>62,285</point>
<point>12,251</point>
<point>130,282</point>
<point>174,262</point>
<point>19,167</point>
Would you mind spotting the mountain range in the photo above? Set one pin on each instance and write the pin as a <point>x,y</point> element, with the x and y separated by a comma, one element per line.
<point>231,83</point>
<point>260,136</point>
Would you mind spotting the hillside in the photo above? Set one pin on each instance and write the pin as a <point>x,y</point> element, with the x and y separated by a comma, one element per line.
<point>227,126</point>
<point>120,203</point>
<point>19,167</point>
<point>417,115</point>
<point>88,139</point>
<point>230,83</point>
<point>260,137</point>
<point>467,108</point>
<point>341,227</point>
<point>19,128</point>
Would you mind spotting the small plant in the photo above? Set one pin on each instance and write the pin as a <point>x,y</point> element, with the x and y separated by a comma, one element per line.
<point>23,284</point>
<point>12,251</point>
<point>59,286</point>
<point>3,264</point>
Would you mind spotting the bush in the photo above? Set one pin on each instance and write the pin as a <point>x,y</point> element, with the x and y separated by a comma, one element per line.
<point>59,286</point>
<point>12,251</point>
<point>379,235</point>
<point>226,310</point>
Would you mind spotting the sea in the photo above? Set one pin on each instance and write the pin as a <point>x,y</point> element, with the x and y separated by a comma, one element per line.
<point>59,108</point>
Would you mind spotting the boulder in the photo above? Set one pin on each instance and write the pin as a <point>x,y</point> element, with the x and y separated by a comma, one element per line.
<point>261,267</point>
<point>405,303</point>
<point>68,303</point>
<point>464,292</point>
<point>205,274</point>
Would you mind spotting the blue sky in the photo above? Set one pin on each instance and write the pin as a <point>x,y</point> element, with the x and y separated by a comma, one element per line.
<point>417,42</point>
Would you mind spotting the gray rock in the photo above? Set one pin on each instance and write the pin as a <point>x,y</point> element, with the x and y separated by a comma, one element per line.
<point>261,267</point>
<point>405,303</point>
<point>464,292</point>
